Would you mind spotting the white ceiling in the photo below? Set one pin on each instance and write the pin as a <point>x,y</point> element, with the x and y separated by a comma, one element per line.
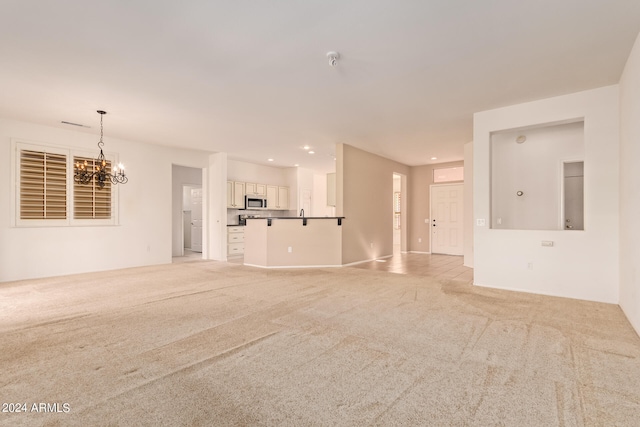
<point>251,77</point>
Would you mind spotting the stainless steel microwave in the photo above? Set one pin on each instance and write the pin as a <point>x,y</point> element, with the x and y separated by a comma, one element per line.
<point>253,202</point>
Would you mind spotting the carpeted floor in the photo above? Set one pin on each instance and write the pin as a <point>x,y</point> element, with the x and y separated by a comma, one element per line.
<point>210,344</point>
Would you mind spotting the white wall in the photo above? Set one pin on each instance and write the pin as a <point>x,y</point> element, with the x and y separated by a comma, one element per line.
<point>143,236</point>
<point>468,205</point>
<point>630,188</point>
<point>320,207</point>
<point>214,245</point>
<point>250,172</point>
<point>535,168</point>
<point>581,264</point>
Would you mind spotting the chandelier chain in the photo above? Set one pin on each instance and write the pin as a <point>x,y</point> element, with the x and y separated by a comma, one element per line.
<point>100,143</point>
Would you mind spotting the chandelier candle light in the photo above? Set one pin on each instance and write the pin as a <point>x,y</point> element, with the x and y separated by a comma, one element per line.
<point>84,176</point>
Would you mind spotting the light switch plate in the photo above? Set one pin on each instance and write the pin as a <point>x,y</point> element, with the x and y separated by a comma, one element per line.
<point>547,243</point>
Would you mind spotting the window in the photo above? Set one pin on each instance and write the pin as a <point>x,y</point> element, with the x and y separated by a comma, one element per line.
<point>89,200</point>
<point>43,185</point>
<point>46,194</point>
<point>448,174</point>
<point>396,209</point>
<point>396,202</point>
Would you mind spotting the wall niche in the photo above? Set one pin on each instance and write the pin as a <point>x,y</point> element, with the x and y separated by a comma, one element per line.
<point>529,188</point>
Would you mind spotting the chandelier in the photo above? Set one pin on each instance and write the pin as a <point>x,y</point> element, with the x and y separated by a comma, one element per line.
<point>85,172</point>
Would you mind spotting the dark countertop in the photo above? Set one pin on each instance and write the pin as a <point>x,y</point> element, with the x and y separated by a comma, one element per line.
<point>298,217</point>
<point>235,225</point>
<point>304,219</point>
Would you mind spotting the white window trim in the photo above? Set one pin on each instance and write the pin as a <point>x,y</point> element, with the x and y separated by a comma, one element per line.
<point>69,152</point>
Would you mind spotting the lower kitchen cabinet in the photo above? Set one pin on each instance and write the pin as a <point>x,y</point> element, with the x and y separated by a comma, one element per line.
<point>235,241</point>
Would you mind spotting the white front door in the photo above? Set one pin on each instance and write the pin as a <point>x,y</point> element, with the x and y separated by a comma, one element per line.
<point>446,219</point>
<point>196,219</point>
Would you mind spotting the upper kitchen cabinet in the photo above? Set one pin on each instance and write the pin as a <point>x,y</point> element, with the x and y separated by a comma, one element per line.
<point>235,194</point>
<point>277,197</point>
<point>253,189</point>
<point>283,198</point>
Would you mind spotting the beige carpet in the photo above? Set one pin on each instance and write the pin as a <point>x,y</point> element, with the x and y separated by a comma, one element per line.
<point>211,344</point>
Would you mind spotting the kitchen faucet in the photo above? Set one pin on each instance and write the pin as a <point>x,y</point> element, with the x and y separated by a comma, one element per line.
<point>302,213</point>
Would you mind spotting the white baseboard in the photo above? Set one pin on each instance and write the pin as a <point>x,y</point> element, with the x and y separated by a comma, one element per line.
<point>292,266</point>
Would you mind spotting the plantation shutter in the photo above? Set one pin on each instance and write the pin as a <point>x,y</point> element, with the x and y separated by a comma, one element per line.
<point>43,185</point>
<point>89,200</point>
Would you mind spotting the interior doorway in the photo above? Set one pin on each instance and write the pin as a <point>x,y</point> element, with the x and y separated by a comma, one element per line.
<point>447,219</point>
<point>188,213</point>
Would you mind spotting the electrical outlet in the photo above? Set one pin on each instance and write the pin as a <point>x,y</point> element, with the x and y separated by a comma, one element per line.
<point>481,222</point>
<point>289,249</point>
<point>547,243</point>
<point>530,266</point>
<point>371,244</point>
<point>419,239</point>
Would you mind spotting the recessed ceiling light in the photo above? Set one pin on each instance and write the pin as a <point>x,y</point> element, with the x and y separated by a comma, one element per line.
<point>306,147</point>
<point>270,160</point>
<point>434,158</point>
<point>312,152</point>
<point>296,165</point>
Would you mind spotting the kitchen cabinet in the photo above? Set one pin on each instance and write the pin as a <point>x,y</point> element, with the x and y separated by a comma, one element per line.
<point>254,189</point>
<point>235,241</point>
<point>277,197</point>
<point>235,194</point>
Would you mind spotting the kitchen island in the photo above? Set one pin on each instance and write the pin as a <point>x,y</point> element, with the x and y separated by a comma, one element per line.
<point>281,242</point>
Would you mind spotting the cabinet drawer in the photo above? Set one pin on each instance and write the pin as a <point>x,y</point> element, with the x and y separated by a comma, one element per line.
<point>235,238</point>
<point>235,229</point>
<point>235,249</point>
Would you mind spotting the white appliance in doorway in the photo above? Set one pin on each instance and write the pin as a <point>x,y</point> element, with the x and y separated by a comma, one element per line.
<point>196,219</point>
<point>447,219</point>
<point>305,201</point>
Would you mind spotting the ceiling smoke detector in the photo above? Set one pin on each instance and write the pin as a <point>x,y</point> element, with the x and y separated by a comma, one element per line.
<point>521,139</point>
<point>333,58</point>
